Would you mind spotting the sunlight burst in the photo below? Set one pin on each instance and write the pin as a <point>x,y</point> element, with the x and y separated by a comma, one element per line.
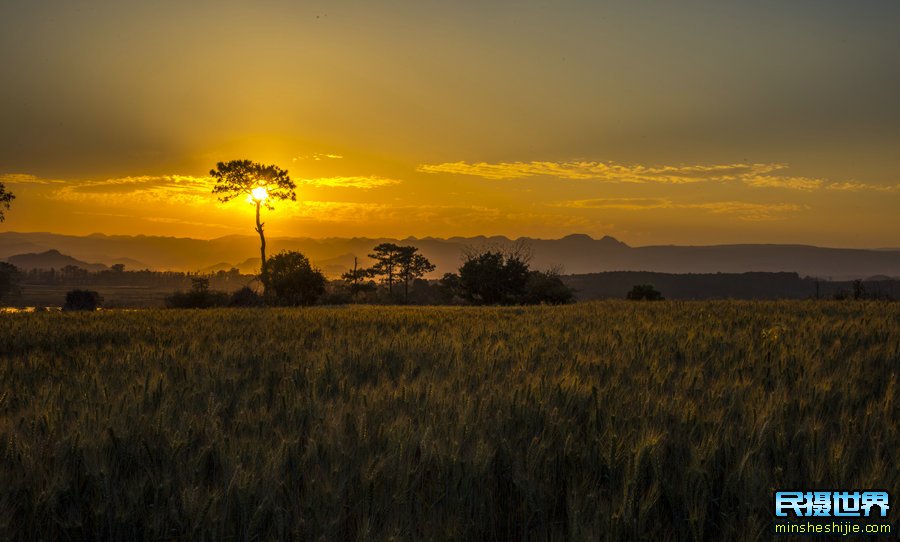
<point>259,194</point>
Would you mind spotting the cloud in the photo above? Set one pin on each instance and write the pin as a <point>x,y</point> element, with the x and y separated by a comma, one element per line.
<point>365,183</point>
<point>743,210</point>
<point>853,186</point>
<point>612,172</point>
<point>339,211</point>
<point>182,189</point>
<point>25,178</point>
<point>795,183</point>
<point>317,157</point>
<point>157,219</point>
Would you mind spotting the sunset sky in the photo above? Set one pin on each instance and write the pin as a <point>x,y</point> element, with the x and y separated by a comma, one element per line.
<point>690,122</point>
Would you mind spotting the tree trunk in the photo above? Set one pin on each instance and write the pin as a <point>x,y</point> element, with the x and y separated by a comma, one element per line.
<point>262,250</point>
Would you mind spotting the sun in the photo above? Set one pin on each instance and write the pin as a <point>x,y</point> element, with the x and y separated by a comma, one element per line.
<point>259,194</point>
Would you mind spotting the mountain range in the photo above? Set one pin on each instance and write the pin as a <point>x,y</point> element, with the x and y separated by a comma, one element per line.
<point>574,254</point>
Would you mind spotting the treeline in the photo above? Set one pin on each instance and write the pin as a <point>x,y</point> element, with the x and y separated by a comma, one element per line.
<point>752,285</point>
<point>486,277</point>
<point>119,276</point>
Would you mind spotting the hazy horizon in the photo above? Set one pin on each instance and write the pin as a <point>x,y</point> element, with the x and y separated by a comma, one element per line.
<point>254,237</point>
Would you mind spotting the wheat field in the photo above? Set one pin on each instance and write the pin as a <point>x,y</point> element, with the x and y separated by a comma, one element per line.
<point>594,421</point>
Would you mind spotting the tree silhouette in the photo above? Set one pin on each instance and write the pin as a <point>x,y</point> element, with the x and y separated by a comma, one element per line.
<point>386,256</point>
<point>644,292</point>
<point>357,277</point>
<point>9,280</point>
<point>411,265</point>
<point>491,277</point>
<point>294,281</point>
<point>5,199</point>
<point>243,178</point>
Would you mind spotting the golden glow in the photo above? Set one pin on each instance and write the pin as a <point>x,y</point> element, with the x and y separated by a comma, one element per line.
<point>259,194</point>
<point>453,119</point>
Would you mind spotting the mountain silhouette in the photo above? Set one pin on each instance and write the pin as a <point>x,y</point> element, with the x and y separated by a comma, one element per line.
<point>51,259</point>
<point>576,254</point>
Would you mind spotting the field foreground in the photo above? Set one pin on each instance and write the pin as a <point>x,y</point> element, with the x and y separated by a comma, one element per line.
<point>614,420</point>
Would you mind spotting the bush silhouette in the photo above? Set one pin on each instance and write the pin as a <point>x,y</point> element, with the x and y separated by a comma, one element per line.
<point>246,297</point>
<point>293,281</point>
<point>644,292</point>
<point>82,300</point>
<point>200,297</point>
<point>546,287</point>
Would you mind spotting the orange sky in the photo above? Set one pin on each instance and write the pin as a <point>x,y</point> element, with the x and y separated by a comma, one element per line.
<point>692,124</point>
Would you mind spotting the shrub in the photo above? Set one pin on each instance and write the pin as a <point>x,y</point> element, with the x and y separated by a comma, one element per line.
<point>547,287</point>
<point>292,280</point>
<point>492,278</point>
<point>82,300</point>
<point>644,292</point>
<point>200,297</point>
<point>246,297</point>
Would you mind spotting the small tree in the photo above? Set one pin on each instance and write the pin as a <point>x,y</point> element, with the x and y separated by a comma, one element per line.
<point>493,278</point>
<point>547,287</point>
<point>199,297</point>
<point>260,185</point>
<point>82,300</point>
<point>859,289</point>
<point>245,297</point>
<point>644,292</point>
<point>293,280</point>
<point>387,260</point>
<point>357,279</point>
<point>5,200</point>
<point>411,265</point>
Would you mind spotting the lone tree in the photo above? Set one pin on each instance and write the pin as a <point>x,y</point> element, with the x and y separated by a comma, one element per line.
<point>5,199</point>
<point>260,184</point>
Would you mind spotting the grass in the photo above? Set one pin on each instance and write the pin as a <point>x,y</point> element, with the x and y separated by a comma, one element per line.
<point>597,421</point>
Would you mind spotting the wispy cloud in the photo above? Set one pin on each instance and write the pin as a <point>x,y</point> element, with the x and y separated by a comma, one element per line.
<point>339,211</point>
<point>742,210</point>
<point>25,178</point>
<point>317,157</point>
<point>795,183</point>
<point>761,175</point>
<point>365,183</point>
<point>853,186</point>
<point>157,219</point>
<point>605,171</point>
<point>182,189</point>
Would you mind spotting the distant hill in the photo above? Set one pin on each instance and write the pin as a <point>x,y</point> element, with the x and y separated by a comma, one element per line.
<point>51,259</point>
<point>577,254</point>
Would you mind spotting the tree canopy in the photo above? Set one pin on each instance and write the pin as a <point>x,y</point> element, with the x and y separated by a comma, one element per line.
<point>238,178</point>
<point>5,200</point>
<point>293,281</point>
<point>495,277</point>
